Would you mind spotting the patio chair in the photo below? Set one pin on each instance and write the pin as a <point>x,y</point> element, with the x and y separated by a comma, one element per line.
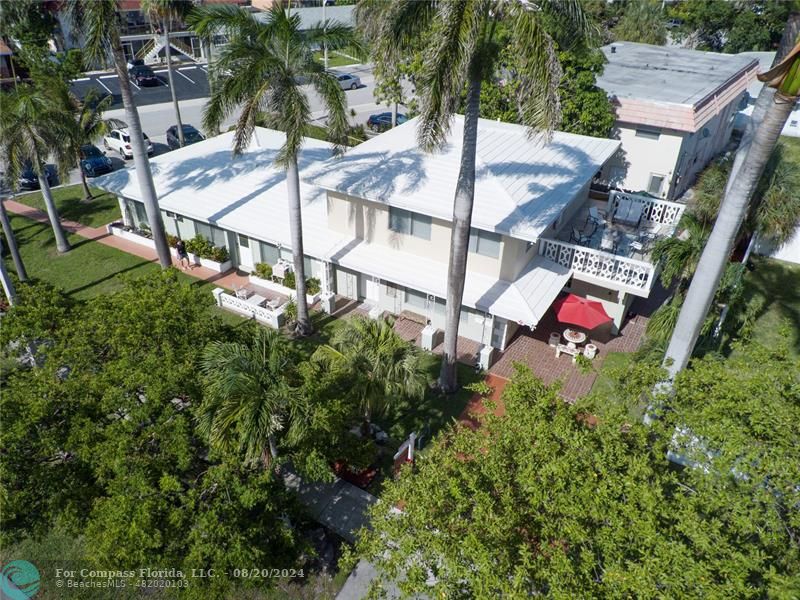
<point>555,339</point>
<point>595,216</point>
<point>578,237</point>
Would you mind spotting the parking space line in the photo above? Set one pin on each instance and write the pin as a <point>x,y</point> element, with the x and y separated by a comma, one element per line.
<point>186,68</point>
<point>105,86</point>
<point>82,79</point>
<point>136,86</point>
<point>107,77</point>
<point>185,77</point>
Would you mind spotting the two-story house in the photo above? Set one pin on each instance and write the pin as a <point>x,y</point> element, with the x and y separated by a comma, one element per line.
<point>377,221</point>
<point>675,110</point>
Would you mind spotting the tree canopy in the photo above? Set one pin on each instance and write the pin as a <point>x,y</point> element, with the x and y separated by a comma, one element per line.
<point>101,438</point>
<point>580,501</point>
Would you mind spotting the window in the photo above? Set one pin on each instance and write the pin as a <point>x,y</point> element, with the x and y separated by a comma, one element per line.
<point>655,185</point>
<point>409,223</point>
<point>244,242</point>
<point>214,234</point>
<point>416,299</point>
<point>648,134</point>
<point>269,253</point>
<point>170,215</point>
<point>484,243</point>
<point>793,123</point>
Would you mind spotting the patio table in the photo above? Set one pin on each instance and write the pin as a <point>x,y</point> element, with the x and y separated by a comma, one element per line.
<point>256,299</point>
<point>576,337</point>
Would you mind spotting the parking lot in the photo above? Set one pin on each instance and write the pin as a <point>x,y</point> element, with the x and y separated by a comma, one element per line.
<point>191,81</point>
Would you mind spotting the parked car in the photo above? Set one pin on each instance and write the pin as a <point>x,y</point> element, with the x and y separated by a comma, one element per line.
<point>135,62</point>
<point>143,76</point>
<point>190,136</point>
<point>348,81</point>
<point>673,23</point>
<point>94,162</point>
<point>383,121</point>
<point>119,140</point>
<point>28,180</point>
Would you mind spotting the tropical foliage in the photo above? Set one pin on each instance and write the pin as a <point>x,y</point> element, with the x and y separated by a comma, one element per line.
<point>35,125</point>
<point>380,365</point>
<point>90,125</point>
<point>582,509</point>
<point>642,21</point>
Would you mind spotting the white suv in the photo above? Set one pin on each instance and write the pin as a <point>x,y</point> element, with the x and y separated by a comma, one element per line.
<point>120,141</point>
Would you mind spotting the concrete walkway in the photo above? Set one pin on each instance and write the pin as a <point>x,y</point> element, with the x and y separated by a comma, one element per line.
<point>229,281</point>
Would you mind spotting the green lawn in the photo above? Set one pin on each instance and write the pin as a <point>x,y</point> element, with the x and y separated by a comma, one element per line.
<point>773,287</point>
<point>90,268</point>
<point>337,59</point>
<point>103,209</point>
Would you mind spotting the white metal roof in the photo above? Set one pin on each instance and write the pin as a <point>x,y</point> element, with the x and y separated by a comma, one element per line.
<point>668,74</point>
<point>522,184</point>
<point>246,193</point>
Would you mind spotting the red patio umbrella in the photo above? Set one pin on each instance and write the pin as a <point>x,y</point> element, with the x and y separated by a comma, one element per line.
<point>579,311</point>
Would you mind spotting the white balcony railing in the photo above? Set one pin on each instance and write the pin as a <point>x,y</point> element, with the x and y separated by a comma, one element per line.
<point>619,270</point>
<point>654,211</point>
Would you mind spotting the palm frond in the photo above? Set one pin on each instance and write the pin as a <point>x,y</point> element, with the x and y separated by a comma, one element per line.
<point>457,31</point>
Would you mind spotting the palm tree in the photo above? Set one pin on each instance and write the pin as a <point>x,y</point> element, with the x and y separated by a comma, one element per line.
<point>22,274</point>
<point>165,12</point>
<point>99,22</point>
<point>770,114</point>
<point>643,22</point>
<point>5,280</point>
<point>35,124</point>
<point>248,400</point>
<point>266,59</point>
<point>459,55</point>
<point>380,365</point>
<point>90,126</point>
<point>678,256</point>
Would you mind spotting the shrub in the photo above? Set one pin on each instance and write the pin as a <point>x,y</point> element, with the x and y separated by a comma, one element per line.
<point>263,270</point>
<point>172,240</point>
<point>290,311</point>
<point>205,249</point>
<point>289,280</point>
<point>312,286</point>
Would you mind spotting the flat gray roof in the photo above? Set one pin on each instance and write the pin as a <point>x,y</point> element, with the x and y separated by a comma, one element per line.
<point>668,73</point>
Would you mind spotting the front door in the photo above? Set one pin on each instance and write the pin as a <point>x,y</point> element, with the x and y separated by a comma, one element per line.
<point>373,290</point>
<point>245,252</point>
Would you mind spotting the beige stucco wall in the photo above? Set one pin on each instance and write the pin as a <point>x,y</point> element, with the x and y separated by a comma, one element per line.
<point>614,302</point>
<point>640,157</point>
<point>370,221</point>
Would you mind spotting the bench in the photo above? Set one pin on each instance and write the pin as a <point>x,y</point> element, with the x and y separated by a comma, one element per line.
<point>562,349</point>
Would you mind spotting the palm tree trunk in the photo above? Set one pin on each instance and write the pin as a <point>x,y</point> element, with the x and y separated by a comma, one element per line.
<point>168,53</point>
<point>303,326</point>
<point>87,193</point>
<point>61,239</point>
<point>140,161</point>
<point>459,238</point>
<point>273,447</point>
<point>19,266</point>
<point>8,285</point>
<point>394,115</point>
<point>757,144</point>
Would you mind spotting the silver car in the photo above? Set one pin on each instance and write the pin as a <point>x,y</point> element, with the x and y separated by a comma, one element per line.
<point>348,81</point>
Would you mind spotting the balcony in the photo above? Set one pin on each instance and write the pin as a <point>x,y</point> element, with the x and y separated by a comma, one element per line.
<point>614,245</point>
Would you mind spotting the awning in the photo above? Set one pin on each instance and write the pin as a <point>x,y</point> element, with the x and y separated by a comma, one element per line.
<point>523,301</point>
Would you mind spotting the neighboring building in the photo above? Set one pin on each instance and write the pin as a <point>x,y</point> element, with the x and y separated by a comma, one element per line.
<point>377,221</point>
<point>142,39</point>
<point>764,59</point>
<point>674,112</point>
